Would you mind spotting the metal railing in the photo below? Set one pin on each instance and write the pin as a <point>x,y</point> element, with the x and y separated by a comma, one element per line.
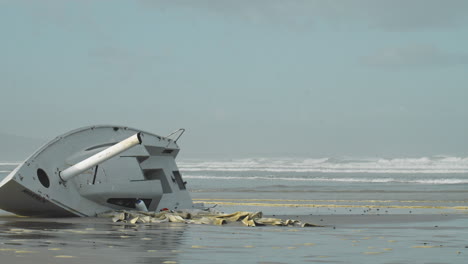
<point>180,130</point>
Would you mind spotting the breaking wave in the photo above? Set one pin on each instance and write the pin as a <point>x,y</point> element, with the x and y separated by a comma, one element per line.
<point>427,171</point>
<point>332,165</point>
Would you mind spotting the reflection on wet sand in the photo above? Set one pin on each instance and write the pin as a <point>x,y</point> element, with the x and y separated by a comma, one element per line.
<point>28,240</point>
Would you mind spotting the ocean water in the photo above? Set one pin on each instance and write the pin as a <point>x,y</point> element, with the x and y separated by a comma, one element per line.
<point>326,185</point>
<point>306,186</point>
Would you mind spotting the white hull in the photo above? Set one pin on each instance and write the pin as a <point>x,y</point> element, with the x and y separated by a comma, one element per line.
<point>147,171</point>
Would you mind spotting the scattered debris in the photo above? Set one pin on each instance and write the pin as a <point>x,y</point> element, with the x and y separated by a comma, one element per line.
<point>200,217</point>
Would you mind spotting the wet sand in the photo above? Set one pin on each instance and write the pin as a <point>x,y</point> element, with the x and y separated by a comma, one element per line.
<point>415,238</point>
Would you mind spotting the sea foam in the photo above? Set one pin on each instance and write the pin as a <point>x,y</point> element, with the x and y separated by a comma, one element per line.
<point>332,165</point>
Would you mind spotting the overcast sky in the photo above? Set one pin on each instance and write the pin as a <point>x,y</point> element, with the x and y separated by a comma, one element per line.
<point>310,78</point>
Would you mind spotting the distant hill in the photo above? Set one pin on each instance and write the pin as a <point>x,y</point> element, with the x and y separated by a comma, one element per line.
<point>17,148</point>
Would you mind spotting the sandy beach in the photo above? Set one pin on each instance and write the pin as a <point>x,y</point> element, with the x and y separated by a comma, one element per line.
<point>417,238</point>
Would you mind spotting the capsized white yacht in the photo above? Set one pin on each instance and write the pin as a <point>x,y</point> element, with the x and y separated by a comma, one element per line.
<point>96,169</point>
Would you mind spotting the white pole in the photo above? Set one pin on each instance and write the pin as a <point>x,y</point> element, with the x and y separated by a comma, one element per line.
<point>100,157</point>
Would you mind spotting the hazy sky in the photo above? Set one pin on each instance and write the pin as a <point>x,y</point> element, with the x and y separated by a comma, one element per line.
<point>315,78</point>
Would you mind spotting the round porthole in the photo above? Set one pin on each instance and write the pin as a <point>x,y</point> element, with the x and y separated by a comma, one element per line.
<point>43,178</point>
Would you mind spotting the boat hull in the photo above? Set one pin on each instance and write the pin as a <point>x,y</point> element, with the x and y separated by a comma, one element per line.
<point>147,172</point>
<point>20,200</point>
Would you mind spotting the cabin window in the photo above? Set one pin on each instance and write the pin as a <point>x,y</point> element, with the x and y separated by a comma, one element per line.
<point>43,178</point>
<point>179,180</point>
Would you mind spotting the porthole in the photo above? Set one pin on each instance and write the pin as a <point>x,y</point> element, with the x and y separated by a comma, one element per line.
<point>43,178</point>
